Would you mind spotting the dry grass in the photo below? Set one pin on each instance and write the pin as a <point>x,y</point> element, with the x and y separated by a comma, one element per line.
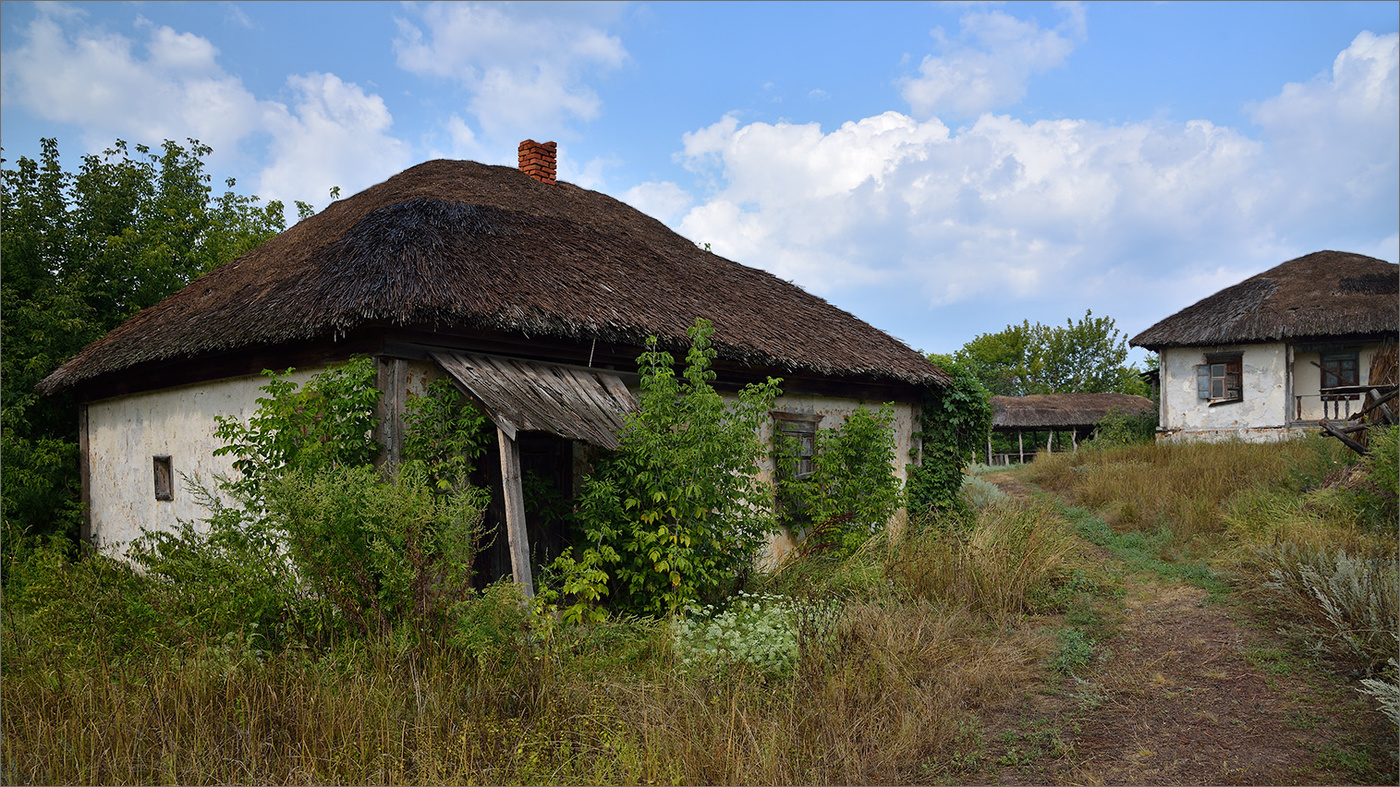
<point>1185,487</point>
<point>1010,555</point>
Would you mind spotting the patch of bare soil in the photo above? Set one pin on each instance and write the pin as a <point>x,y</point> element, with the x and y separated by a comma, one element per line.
<point>1187,689</point>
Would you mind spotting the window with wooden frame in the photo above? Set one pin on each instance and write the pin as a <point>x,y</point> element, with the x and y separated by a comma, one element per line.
<point>165,480</point>
<point>1218,380</point>
<point>1340,368</point>
<point>795,434</point>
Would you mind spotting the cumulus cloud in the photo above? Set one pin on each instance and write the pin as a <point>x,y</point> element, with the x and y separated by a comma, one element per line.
<point>1335,138</point>
<point>335,135</point>
<point>165,84</point>
<point>1055,211</point>
<point>989,63</point>
<point>169,86</point>
<point>524,72</point>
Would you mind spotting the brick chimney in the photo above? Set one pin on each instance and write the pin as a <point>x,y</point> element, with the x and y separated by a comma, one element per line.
<point>537,160</point>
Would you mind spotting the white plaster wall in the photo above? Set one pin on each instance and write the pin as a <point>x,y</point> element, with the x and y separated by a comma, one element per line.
<point>1264,378</point>
<point>126,432</point>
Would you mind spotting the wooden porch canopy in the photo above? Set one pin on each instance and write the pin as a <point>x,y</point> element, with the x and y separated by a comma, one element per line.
<point>589,405</point>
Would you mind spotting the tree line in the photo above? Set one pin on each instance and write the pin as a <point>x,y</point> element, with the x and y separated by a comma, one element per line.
<point>83,251</point>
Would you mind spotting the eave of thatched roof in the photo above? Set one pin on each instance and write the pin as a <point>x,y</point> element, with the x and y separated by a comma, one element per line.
<point>1062,411</point>
<point>462,245</point>
<point>1320,295</point>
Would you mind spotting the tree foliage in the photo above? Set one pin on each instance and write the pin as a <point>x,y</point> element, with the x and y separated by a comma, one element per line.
<point>678,513</point>
<point>83,251</point>
<point>1079,357</point>
<point>955,421</point>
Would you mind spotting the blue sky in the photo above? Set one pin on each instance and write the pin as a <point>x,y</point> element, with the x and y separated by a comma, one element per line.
<point>940,170</point>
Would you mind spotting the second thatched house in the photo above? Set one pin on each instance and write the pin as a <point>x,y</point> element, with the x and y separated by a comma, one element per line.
<point>536,296</point>
<point>1278,352</point>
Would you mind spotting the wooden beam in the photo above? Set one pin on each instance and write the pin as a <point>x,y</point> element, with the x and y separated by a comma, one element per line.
<point>392,380</point>
<point>514,492</point>
<point>1347,441</point>
<point>84,475</point>
<point>1021,446</point>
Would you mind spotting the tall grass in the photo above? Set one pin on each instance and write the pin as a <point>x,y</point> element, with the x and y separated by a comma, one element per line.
<point>511,697</point>
<point>1185,486</point>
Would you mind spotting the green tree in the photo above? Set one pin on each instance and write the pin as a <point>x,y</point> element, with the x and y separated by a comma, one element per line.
<point>82,252</point>
<point>1079,357</point>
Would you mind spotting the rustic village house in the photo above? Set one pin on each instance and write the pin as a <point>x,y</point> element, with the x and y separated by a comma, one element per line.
<point>1276,353</point>
<point>536,296</point>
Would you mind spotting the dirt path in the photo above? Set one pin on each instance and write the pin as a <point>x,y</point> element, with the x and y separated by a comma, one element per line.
<point>1185,688</point>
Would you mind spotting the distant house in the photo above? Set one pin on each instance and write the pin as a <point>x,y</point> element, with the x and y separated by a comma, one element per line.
<point>1076,413</point>
<point>1276,353</point>
<point>536,296</point>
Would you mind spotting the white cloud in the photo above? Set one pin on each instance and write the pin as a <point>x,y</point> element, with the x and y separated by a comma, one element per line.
<point>166,84</point>
<point>1058,214</point>
<point>168,87</point>
<point>525,71</point>
<point>665,201</point>
<point>336,135</point>
<point>1336,139</point>
<point>989,63</point>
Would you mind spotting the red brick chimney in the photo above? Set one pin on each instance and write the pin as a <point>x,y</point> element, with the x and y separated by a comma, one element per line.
<point>537,160</point>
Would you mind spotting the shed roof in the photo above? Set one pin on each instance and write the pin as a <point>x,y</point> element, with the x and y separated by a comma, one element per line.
<point>463,245</point>
<point>1320,295</point>
<point>1062,411</point>
<point>577,404</point>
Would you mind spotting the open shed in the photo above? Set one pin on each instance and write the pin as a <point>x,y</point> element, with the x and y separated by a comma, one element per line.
<point>1077,413</point>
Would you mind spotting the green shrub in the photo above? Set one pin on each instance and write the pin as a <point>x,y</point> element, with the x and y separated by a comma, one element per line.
<point>761,632</point>
<point>1124,428</point>
<point>678,513</point>
<point>954,424</point>
<point>852,491</point>
<point>980,493</point>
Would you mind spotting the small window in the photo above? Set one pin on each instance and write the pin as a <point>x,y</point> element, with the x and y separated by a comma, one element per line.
<point>165,488</point>
<point>797,433</point>
<point>1219,379</point>
<point>1339,369</point>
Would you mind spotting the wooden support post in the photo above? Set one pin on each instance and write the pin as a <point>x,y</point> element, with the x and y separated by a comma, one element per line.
<point>514,492</point>
<point>1021,446</point>
<point>1050,443</point>
<point>393,388</point>
<point>84,476</point>
<point>989,448</point>
<point>1074,439</point>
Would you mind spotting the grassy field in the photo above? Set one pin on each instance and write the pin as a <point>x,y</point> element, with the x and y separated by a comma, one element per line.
<point>895,665</point>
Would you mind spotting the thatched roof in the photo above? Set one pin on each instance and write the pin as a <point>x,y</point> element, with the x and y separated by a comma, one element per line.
<point>461,245</point>
<point>1062,411</point>
<point>1324,294</point>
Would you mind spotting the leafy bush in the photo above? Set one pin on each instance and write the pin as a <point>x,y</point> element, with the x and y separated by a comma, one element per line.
<point>954,423</point>
<point>1124,428</point>
<point>757,631</point>
<point>677,514</point>
<point>852,491</point>
<point>446,432</point>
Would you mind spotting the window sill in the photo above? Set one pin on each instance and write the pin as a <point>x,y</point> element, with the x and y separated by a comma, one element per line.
<point>1220,402</point>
